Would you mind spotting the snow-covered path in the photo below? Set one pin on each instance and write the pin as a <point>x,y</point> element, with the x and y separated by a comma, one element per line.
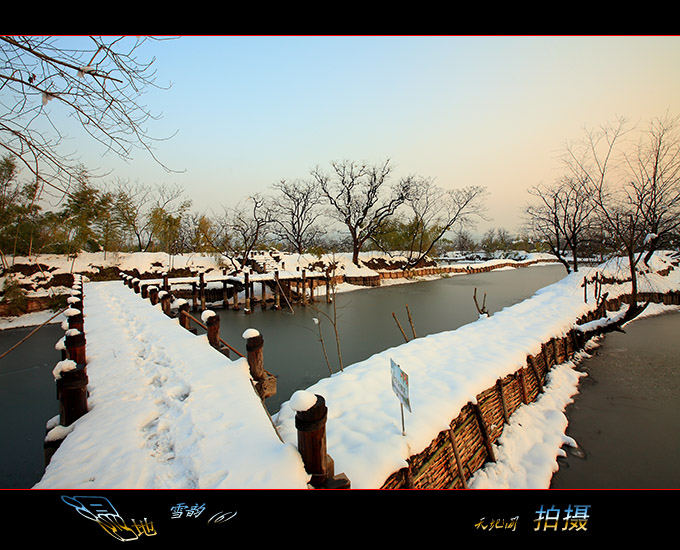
<point>166,409</point>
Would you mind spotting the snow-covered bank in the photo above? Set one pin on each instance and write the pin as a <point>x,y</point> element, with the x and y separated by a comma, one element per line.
<point>36,274</point>
<point>447,370</point>
<point>49,275</point>
<point>31,319</point>
<point>168,415</point>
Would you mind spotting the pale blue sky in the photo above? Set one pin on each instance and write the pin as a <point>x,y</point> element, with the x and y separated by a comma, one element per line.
<point>492,111</point>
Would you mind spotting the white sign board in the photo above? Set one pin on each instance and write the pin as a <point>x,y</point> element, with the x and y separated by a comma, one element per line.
<point>400,384</point>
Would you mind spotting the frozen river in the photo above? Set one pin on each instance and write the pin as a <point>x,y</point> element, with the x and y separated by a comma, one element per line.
<point>292,349</point>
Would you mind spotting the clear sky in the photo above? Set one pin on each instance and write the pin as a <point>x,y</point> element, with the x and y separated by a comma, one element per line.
<point>491,111</point>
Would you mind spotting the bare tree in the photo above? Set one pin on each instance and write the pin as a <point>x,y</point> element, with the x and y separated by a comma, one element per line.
<point>597,162</point>
<point>563,216</point>
<point>356,193</point>
<point>243,227</point>
<point>655,181</point>
<point>97,81</point>
<point>295,212</point>
<point>432,212</point>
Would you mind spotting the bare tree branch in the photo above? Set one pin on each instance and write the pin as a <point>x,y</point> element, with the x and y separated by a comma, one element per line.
<point>97,81</point>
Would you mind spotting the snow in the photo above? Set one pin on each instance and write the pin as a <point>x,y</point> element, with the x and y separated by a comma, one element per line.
<point>447,370</point>
<point>63,366</point>
<point>166,410</point>
<point>302,400</point>
<point>207,314</point>
<point>250,333</point>
<point>169,411</point>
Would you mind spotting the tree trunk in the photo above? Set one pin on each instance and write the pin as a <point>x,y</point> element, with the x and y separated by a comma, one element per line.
<point>355,253</point>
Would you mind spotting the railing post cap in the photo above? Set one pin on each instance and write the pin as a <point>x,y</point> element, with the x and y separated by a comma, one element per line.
<point>303,400</point>
<point>72,312</point>
<point>63,366</point>
<point>250,333</point>
<point>207,314</point>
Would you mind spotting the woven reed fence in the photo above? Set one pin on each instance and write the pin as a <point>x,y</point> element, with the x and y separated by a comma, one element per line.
<point>459,451</point>
<point>440,270</point>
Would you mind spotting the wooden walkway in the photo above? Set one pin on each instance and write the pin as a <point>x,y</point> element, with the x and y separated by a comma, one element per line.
<point>242,291</point>
<point>147,403</point>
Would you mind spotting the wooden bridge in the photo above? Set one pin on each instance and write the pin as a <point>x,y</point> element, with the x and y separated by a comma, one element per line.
<point>277,289</point>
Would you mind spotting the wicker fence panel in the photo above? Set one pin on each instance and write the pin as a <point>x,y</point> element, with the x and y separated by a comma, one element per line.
<point>397,480</point>
<point>469,440</point>
<point>549,353</point>
<point>512,393</point>
<point>438,469</point>
<point>489,403</point>
<point>531,381</point>
<point>538,361</point>
<point>480,425</point>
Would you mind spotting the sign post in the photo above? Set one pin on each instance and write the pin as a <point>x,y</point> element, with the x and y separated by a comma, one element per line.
<point>401,389</point>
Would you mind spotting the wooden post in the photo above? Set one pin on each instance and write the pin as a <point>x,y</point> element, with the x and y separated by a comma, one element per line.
<point>194,296</point>
<point>72,392</point>
<point>265,382</point>
<point>399,325</point>
<point>277,291</point>
<point>184,321</point>
<point>264,294</point>
<point>485,432</point>
<point>585,290</point>
<point>75,319</point>
<point>235,297</point>
<point>153,295</point>
<point>202,289</point>
<point>165,301</point>
<point>254,347</point>
<point>74,341</point>
<point>501,397</point>
<point>166,282</point>
<point>247,283</point>
<point>410,320</point>
<point>135,285</point>
<point>212,322</point>
<point>311,430</point>
<point>456,454</point>
<point>328,288</point>
<point>303,295</point>
<point>532,364</point>
<point>225,295</point>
